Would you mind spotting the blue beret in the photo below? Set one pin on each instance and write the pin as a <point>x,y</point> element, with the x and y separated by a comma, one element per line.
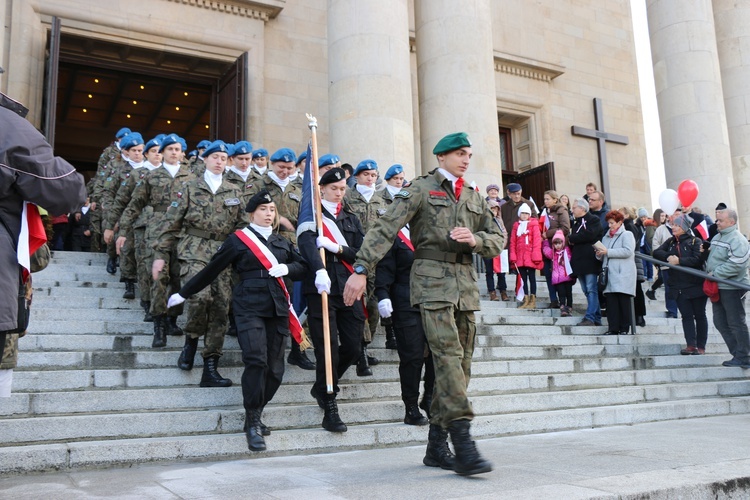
<point>284,154</point>
<point>302,156</point>
<point>365,165</point>
<point>215,147</point>
<point>130,140</point>
<point>183,143</point>
<point>328,159</point>
<point>242,148</point>
<point>156,141</point>
<point>394,170</point>
<point>169,140</point>
<point>258,153</point>
<point>262,197</point>
<point>513,187</point>
<point>333,175</point>
<point>451,142</point>
<point>160,137</point>
<point>230,149</point>
<point>203,144</point>
<point>122,132</point>
<point>193,153</point>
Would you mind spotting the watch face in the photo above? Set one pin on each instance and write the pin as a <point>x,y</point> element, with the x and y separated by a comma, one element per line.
<point>359,269</point>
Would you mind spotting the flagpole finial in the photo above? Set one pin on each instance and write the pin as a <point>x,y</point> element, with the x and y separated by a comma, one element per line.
<point>313,121</point>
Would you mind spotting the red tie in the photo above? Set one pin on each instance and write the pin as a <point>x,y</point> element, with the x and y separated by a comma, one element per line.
<point>459,187</point>
<point>338,210</point>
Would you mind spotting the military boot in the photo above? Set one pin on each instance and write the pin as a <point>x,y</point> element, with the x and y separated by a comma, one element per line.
<point>331,420</point>
<point>390,338</point>
<point>172,328</point>
<point>299,358</point>
<point>426,403</point>
<point>255,441</point>
<point>111,265</point>
<point>187,356</point>
<point>264,429</point>
<point>211,376</point>
<point>413,415</point>
<point>438,452</point>
<point>129,290</point>
<point>468,459</point>
<point>363,367</point>
<point>146,305</point>
<point>232,329</point>
<point>371,360</point>
<point>160,334</point>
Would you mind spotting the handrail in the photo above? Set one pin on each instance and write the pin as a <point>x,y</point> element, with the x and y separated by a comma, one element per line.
<point>694,272</point>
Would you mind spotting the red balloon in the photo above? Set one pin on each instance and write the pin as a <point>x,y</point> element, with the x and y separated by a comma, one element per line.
<point>687,192</point>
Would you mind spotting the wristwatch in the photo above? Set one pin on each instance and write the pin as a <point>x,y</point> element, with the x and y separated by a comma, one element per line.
<point>360,269</point>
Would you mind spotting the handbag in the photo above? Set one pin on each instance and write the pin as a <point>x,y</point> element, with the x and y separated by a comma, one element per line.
<point>603,278</point>
<point>711,288</point>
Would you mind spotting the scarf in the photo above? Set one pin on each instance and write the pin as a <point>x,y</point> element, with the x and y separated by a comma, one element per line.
<point>85,210</point>
<point>613,232</point>
<point>239,172</point>
<point>283,183</point>
<point>366,191</point>
<point>393,189</point>
<point>522,227</point>
<point>263,231</point>
<point>260,170</point>
<point>333,208</point>
<point>135,165</point>
<point>172,169</point>
<point>150,166</point>
<point>213,180</point>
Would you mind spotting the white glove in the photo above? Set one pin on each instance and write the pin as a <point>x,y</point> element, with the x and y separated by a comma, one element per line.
<point>278,270</point>
<point>385,308</point>
<point>327,243</point>
<point>175,300</point>
<point>322,281</point>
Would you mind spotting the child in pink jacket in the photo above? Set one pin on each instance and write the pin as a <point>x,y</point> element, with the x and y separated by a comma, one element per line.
<point>559,253</point>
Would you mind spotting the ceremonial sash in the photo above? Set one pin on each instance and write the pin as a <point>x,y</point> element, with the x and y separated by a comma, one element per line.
<point>405,236</point>
<point>333,233</point>
<point>268,260</point>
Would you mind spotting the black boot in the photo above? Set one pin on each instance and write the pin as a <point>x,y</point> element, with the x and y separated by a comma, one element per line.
<point>160,334</point>
<point>438,452</point>
<point>425,404</point>
<point>211,377</point>
<point>187,356</point>
<point>146,305</point>
<point>318,398</point>
<point>640,321</point>
<point>111,265</point>
<point>129,290</point>
<point>299,358</point>
<point>172,328</point>
<point>390,338</point>
<point>371,360</point>
<point>232,329</point>
<point>255,441</point>
<point>363,367</point>
<point>413,415</point>
<point>264,429</point>
<point>468,459</point>
<point>331,420</point>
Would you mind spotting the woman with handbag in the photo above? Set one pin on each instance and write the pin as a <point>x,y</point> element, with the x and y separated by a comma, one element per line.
<point>684,250</point>
<point>618,257</point>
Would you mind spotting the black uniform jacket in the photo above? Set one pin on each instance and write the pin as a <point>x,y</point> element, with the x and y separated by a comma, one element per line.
<point>392,278</point>
<point>349,225</point>
<point>252,293</point>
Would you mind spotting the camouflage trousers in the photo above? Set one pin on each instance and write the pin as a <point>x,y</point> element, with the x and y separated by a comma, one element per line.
<point>9,354</point>
<point>95,226</point>
<point>167,283</point>
<point>207,310</point>
<point>144,257</point>
<point>450,334</point>
<point>128,267</point>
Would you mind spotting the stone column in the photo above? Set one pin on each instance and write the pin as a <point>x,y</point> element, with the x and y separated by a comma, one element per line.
<point>690,99</point>
<point>456,74</point>
<point>369,96</point>
<point>732,19</point>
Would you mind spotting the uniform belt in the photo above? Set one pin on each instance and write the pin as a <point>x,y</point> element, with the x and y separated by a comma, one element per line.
<point>457,258</point>
<point>250,275</point>
<point>205,234</point>
<point>161,208</point>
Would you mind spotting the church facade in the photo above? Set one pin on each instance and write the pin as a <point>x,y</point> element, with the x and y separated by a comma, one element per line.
<point>386,79</point>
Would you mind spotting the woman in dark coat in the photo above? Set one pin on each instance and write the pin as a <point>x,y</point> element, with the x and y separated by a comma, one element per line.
<point>261,305</point>
<point>684,250</point>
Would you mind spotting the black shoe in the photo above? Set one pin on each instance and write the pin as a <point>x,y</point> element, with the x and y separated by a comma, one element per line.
<point>413,415</point>
<point>187,356</point>
<point>468,459</point>
<point>640,321</point>
<point>363,365</point>
<point>160,334</point>
<point>129,290</point>
<point>232,330</point>
<point>111,265</point>
<point>331,420</point>
<point>146,305</point>
<point>211,377</point>
<point>298,358</point>
<point>371,360</point>
<point>671,315</point>
<point>318,398</point>
<point>438,452</point>
<point>425,404</point>
<point>612,332</point>
<point>650,294</point>
<point>253,433</point>
<point>586,322</point>
<point>172,328</point>
<point>147,318</point>
<point>390,338</point>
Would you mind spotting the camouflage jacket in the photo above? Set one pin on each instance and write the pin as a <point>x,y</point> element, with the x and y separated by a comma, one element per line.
<point>287,202</point>
<point>108,154</point>
<point>10,352</point>
<point>107,188</point>
<point>430,208</point>
<point>244,186</point>
<point>201,220</point>
<point>157,190</point>
<point>128,181</point>
<point>366,212</point>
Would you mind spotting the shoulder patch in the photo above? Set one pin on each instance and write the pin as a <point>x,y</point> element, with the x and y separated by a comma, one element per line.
<point>402,194</point>
<point>381,212</point>
<point>294,197</point>
<point>174,204</point>
<point>123,183</point>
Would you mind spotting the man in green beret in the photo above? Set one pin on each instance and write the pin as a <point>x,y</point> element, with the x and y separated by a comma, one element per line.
<point>448,223</point>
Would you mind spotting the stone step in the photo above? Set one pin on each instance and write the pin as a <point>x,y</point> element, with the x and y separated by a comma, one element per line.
<point>105,453</point>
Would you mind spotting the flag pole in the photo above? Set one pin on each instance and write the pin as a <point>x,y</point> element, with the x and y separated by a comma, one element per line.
<point>313,124</point>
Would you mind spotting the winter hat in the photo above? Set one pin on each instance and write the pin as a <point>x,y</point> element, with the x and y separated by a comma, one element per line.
<point>684,222</point>
<point>642,212</point>
<point>524,209</point>
<point>559,235</point>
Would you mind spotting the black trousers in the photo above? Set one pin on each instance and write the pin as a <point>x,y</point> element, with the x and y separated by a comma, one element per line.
<point>262,341</point>
<point>411,343</point>
<point>346,326</point>
<point>618,312</point>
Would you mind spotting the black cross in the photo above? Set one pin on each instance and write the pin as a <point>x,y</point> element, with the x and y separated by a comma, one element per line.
<point>602,138</point>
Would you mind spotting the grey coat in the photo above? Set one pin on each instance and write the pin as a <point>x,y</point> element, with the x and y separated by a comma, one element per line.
<point>620,260</point>
<point>28,171</point>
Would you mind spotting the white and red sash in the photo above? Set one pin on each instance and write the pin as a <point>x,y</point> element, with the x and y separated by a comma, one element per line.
<point>405,236</point>
<point>268,260</point>
<point>332,232</point>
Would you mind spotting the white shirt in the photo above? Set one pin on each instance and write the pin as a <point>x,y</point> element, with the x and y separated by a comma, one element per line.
<point>283,183</point>
<point>239,172</point>
<point>172,169</point>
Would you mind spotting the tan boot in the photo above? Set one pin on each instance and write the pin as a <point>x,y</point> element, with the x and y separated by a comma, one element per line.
<point>525,303</point>
<point>504,296</point>
<point>493,296</point>
<point>532,302</point>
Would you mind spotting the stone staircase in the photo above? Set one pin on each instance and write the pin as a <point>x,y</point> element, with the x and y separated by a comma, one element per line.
<point>90,392</point>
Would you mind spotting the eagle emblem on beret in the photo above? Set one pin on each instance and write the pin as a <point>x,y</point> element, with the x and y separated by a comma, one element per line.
<point>267,197</point>
<point>338,175</point>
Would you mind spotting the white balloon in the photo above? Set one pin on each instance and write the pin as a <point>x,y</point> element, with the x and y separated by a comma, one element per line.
<point>669,201</point>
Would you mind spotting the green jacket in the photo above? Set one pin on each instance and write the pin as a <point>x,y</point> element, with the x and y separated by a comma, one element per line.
<point>366,212</point>
<point>729,256</point>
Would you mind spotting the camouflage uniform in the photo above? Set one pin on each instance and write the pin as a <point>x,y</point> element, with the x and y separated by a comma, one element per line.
<point>196,166</point>
<point>244,186</point>
<point>157,190</point>
<point>443,279</point>
<point>287,202</point>
<point>107,191</point>
<point>203,220</point>
<point>115,207</point>
<point>10,351</point>
<point>367,213</point>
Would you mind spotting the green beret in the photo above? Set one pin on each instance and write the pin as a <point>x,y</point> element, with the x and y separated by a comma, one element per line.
<point>451,142</point>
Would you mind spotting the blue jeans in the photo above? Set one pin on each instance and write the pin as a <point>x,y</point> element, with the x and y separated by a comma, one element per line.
<point>590,289</point>
<point>729,319</point>
<point>490,277</point>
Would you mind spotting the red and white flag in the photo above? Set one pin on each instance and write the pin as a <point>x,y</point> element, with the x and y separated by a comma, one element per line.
<point>702,229</point>
<point>32,236</point>
<point>519,287</point>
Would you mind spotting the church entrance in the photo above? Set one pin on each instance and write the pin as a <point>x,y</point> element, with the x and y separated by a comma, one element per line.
<point>102,86</point>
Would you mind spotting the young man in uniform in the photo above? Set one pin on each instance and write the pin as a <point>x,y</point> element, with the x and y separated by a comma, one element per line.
<point>260,163</point>
<point>448,223</point>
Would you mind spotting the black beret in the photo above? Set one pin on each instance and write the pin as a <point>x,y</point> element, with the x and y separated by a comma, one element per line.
<point>333,175</point>
<point>721,206</point>
<point>261,198</point>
